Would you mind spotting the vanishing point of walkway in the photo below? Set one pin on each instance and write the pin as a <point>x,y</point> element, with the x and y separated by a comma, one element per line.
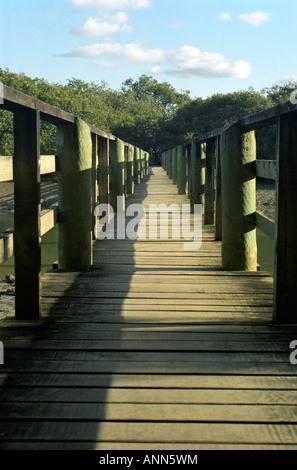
<point>155,348</point>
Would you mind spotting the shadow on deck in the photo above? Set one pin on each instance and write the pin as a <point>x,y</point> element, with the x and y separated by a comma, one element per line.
<point>154,349</point>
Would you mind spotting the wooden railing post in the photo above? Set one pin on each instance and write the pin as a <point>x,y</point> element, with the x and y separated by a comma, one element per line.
<point>170,163</point>
<point>141,156</point>
<point>197,173</point>
<point>94,179</point>
<point>174,165</point>
<point>75,196</point>
<point>27,238</point>
<point>285,291</point>
<point>130,170</point>
<point>136,166</point>
<point>147,163</point>
<point>238,156</point>
<point>103,172</point>
<point>209,182</point>
<point>189,171</point>
<point>218,197</point>
<point>117,172</point>
<point>181,170</point>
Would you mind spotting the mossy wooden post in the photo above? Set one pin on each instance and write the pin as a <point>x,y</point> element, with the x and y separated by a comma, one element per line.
<point>285,291</point>
<point>116,164</point>
<point>27,241</point>
<point>181,170</point>
<point>174,165</point>
<point>197,173</point>
<point>103,172</point>
<point>126,152</point>
<point>238,156</point>
<point>189,171</point>
<point>136,165</point>
<point>141,163</point>
<point>94,179</point>
<point>218,195</point>
<point>209,182</point>
<point>147,163</point>
<point>130,170</point>
<point>75,196</point>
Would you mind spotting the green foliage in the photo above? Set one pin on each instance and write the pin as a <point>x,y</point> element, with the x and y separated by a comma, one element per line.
<point>146,113</point>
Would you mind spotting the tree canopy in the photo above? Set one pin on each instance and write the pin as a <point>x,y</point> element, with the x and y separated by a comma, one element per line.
<point>144,112</point>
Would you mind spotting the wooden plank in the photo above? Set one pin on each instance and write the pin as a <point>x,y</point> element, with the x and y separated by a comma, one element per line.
<point>266,169</point>
<point>153,432</point>
<point>266,224</point>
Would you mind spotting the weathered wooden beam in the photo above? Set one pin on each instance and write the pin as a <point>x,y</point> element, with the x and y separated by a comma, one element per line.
<point>181,170</point>
<point>285,274</point>
<point>197,173</point>
<point>266,224</point>
<point>239,243</point>
<point>94,180</point>
<point>209,215</point>
<point>266,169</point>
<point>117,172</point>
<point>130,170</point>
<point>27,237</point>
<point>174,165</point>
<point>75,196</point>
<point>103,171</point>
<point>218,193</point>
<point>47,165</point>
<point>136,165</point>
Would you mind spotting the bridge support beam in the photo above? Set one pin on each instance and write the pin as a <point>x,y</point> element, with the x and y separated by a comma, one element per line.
<point>130,170</point>
<point>218,193</point>
<point>209,215</point>
<point>75,196</point>
<point>285,292</point>
<point>181,170</point>
<point>197,174</point>
<point>174,165</point>
<point>136,165</point>
<point>27,241</point>
<point>170,163</point>
<point>239,243</point>
<point>117,172</point>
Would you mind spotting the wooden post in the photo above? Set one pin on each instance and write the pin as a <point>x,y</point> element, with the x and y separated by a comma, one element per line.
<point>94,179</point>
<point>27,240</point>
<point>181,170</point>
<point>116,162</point>
<point>126,152</point>
<point>130,170</point>
<point>136,166</point>
<point>209,181</point>
<point>174,165</point>
<point>218,197</point>
<point>285,286</point>
<point>75,196</point>
<point>103,173</point>
<point>141,154</point>
<point>197,173</point>
<point>189,172</point>
<point>170,163</point>
<point>238,156</point>
<point>147,163</point>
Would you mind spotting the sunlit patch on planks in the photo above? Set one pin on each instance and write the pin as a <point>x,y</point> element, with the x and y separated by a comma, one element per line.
<point>155,348</point>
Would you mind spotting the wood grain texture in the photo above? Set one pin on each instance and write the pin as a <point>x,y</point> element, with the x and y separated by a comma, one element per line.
<point>153,349</point>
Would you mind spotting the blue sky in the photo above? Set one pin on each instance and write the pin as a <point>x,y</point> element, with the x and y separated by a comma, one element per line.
<point>205,46</point>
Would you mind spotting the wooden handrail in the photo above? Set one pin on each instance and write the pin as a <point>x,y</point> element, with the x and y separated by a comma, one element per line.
<point>83,161</point>
<point>226,187</point>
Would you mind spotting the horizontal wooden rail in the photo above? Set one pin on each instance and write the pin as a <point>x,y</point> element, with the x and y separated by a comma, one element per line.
<point>47,166</point>
<point>221,169</point>
<point>92,167</point>
<point>267,169</point>
<point>48,220</point>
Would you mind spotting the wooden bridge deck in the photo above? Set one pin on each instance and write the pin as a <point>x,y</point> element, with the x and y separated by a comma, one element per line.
<point>155,348</point>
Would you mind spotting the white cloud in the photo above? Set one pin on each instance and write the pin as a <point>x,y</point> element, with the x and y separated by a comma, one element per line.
<point>186,62</point>
<point>105,25</point>
<point>256,18</point>
<point>190,62</point>
<point>105,5</point>
<point>225,17</point>
<point>134,52</point>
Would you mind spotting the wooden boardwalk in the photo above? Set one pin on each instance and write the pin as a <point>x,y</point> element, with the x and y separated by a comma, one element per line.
<point>155,349</point>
